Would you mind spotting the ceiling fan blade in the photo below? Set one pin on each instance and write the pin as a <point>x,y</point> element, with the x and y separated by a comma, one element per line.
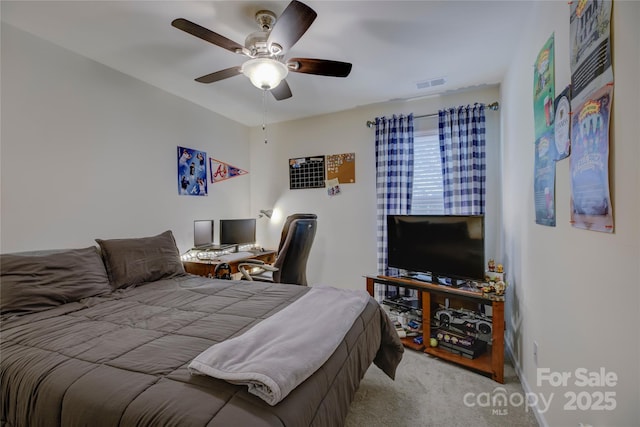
<point>291,25</point>
<point>282,91</point>
<point>207,35</point>
<point>322,67</point>
<point>219,75</point>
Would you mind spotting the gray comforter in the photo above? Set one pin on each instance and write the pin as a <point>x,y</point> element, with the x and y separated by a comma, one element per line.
<point>121,359</point>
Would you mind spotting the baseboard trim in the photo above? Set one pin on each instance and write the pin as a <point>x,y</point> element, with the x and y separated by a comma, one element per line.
<point>542,422</point>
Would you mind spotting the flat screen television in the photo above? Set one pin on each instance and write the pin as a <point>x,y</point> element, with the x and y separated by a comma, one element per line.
<point>202,233</point>
<point>444,247</point>
<point>237,231</point>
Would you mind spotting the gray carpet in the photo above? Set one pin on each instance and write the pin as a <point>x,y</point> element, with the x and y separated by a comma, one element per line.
<point>431,392</point>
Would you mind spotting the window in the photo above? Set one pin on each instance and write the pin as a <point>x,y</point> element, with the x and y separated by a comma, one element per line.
<point>427,192</point>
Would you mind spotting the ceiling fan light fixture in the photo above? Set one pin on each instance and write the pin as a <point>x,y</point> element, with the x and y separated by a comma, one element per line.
<point>264,73</point>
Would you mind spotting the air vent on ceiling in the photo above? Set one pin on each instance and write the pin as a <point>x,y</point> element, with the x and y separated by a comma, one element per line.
<point>425,84</point>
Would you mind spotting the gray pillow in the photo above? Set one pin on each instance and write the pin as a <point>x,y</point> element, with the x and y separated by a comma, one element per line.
<point>36,281</point>
<point>145,259</point>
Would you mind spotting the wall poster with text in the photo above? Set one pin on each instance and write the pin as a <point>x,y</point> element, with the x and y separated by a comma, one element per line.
<point>590,47</point>
<point>545,148</point>
<point>545,180</point>
<point>591,97</point>
<point>544,89</point>
<point>562,124</point>
<point>589,163</point>
<point>192,172</point>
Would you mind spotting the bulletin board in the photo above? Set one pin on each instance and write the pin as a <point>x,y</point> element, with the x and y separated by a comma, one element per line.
<point>307,172</point>
<point>342,166</point>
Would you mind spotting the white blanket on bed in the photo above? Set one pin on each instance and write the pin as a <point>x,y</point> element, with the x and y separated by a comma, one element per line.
<point>282,351</point>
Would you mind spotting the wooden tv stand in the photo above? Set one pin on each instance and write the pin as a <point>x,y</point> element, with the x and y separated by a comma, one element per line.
<point>492,361</point>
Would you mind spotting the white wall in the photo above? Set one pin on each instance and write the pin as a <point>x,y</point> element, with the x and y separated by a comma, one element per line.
<point>89,152</point>
<point>345,246</point>
<point>574,292</point>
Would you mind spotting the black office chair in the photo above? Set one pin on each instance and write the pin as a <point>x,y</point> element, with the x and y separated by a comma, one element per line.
<point>287,223</point>
<point>290,266</point>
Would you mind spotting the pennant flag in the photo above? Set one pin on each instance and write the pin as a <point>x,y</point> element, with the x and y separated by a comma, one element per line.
<point>221,170</point>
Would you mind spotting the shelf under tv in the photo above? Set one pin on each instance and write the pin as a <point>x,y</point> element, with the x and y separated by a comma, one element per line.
<point>491,362</point>
<point>482,363</point>
<point>408,342</point>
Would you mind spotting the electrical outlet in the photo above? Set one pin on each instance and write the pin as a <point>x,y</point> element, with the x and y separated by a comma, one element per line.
<point>535,352</point>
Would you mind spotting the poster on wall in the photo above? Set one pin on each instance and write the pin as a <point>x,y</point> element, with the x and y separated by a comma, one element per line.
<point>590,47</point>
<point>562,124</point>
<point>545,147</point>
<point>544,89</point>
<point>545,180</point>
<point>589,163</point>
<point>221,170</point>
<point>192,172</point>
<point>592,93</point>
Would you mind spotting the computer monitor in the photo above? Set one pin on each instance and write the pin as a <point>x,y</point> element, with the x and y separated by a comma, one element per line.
<point>237,231</point>
<point>202,233</point>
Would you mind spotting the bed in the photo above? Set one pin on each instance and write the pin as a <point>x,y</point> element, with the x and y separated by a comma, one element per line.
<point>105,337</point>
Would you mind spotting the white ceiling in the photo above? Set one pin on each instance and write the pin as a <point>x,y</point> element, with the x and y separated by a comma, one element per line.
<point>392,45</point>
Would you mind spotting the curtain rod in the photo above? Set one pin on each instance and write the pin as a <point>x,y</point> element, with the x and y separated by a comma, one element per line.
<point>493,106</point>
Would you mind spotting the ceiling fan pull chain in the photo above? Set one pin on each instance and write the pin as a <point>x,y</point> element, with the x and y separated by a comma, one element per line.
<point>264,115</point>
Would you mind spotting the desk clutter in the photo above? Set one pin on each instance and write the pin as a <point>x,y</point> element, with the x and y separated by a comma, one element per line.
<point>224,263</point>
<point>459,330</point>
<point>462,326</point>
<point>494,278</point>
<point>406,315</point>
<point>225,253</point>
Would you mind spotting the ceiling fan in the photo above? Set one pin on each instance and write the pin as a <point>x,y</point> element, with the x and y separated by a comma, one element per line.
<point>266,48</point>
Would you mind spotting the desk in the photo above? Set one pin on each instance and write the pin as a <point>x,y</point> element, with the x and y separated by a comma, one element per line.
<point>206,267</point>
<point>491,362</point>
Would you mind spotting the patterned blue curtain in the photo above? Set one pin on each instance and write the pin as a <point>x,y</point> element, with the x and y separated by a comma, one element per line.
<point>462,149</point>
<point>394,177</point>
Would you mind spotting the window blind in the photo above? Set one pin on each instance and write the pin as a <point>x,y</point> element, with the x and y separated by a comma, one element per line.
<point>427,192</point>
